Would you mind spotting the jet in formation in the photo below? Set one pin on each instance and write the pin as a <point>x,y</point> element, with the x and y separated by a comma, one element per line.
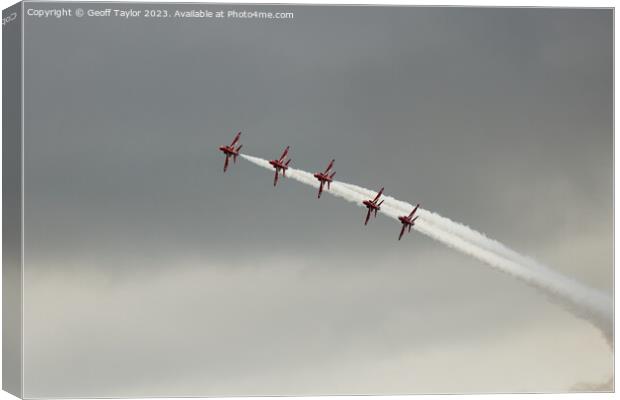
<point>373,205</point>
<point>280,164</point>
<point>407,221</point>
<point>325,177</point>
<point>231,151</point>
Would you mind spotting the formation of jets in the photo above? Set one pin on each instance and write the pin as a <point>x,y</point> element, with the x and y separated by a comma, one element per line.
<point>325,177</point>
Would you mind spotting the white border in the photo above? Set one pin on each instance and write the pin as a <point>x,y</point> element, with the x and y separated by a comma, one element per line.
<point>477,3</point>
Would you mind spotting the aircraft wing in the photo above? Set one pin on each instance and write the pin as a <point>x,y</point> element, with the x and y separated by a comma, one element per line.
<point>367,216</point>
<point>284,154</point>
<point>378,195</point>
<point>235,140</point>
<point>402,231</point>
<point>331,164</point>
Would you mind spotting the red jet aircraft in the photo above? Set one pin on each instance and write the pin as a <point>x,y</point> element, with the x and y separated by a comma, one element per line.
<point>407,221</point>
<point>325,177</point>
<point>230,151</point>
<point>280,165</point>
<point>372,205</point>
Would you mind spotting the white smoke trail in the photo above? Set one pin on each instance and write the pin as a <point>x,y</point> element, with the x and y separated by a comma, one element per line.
<point>454,227</point>
<point>583,301</point>
<point>563,287</point>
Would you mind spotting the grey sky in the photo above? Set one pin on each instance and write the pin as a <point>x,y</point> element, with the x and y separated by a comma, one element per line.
<point>149,271</point>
